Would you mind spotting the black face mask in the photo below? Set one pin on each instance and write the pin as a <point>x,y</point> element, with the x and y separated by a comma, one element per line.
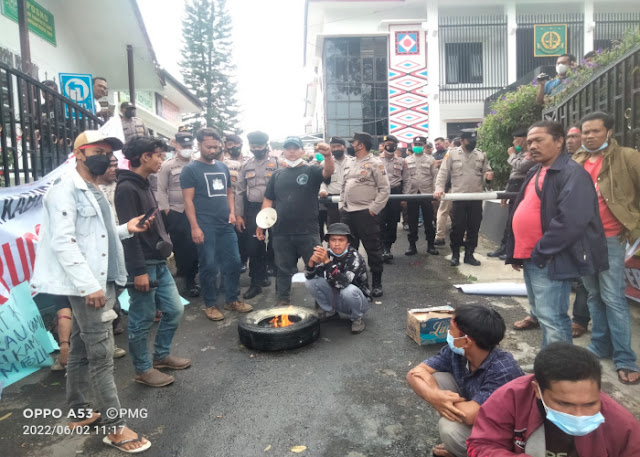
<point>97,165</point>
<point>260,153</point>
<point>129,113</point>
<point>234,151</point>
<point>338,153</point>
<point>390,148</point>
<point>471,145</point>
<point>351,151</point>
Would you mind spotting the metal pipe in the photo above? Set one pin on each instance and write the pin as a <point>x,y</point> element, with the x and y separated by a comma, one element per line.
<point>132,82</point>
<point>477,196</point>
<point>23,31</point>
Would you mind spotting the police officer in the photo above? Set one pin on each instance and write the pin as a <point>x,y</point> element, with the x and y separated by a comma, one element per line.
<point>171,203</point>
<point>131,125</point>
<point>422,177</point>
<point>338,148</point>
<point>397,173</point>
<point>252,181</point>
<point>364,194</point>
<point>467,167</point>
<point>233,159</point>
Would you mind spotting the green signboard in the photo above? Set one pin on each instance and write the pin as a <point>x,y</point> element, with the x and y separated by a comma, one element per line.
<point>39,19</point>
<point>550,40</point>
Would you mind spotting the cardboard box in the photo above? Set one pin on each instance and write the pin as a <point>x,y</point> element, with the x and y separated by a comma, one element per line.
<point>429,325</point>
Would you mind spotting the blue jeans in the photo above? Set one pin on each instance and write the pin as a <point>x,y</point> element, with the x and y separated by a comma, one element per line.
<point>610,314</point>
<point>142,311</point>
<point>549,301</point>
<point>349,300</point>
<point>219,252</point>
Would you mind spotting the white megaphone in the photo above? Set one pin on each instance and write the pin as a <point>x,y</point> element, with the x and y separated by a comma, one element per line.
<point>266,218</point>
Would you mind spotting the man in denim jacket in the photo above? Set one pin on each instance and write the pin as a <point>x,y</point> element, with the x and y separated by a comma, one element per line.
<point>80,256</point>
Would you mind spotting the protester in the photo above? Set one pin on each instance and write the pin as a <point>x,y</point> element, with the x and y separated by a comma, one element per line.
<point>558,411</point>
<point>556,234</point>
<point>467,167</point>
<point>337,278</point>
<point>574,139</point>
<point>209,204</point>
<point>100,90</point>
<point>615,173</point>
<point>80,256</point>
<point>547,87</point>
<point>364,194</point>
<point>171,203</point>
<point>398,175</point>
<point>293,192</point>
<point>131,125</point>
<point>463,375</point>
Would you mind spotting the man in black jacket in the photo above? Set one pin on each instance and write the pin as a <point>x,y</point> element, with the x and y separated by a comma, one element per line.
<point>556,234</point>
<point>145,260</point>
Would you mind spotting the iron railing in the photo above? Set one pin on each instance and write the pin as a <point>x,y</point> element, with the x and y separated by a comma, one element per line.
<point>615,90</point>
<point>37,127</point>
<point>612,26</point>
<point>473,57</point>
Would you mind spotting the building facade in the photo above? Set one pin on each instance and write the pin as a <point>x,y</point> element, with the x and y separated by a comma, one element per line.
<point>425,67</point>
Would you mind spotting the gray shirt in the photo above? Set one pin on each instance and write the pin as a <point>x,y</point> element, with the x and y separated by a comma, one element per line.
<point>112,269</point>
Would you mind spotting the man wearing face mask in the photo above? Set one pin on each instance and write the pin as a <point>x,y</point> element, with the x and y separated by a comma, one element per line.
<point>551,88</point>
<point>171,203</point>
<point>131,125</point>
<point>467,167</point>
<point>338,149</point>
<point>464,374</point>
<point>253,177</point>
<point>398,174</point>
<point>421,178</point>
<point>233,159</point>
<point>558,411</point>
<point>364,194</point>
<point>614,171</point>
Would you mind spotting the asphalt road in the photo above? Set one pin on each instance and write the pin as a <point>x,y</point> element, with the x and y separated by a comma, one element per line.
<point>344,395</point>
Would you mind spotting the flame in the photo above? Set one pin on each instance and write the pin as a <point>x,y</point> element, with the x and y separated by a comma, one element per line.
<point>280,321</point>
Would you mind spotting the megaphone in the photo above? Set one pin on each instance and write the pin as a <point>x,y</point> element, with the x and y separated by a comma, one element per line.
<point>266,218</point>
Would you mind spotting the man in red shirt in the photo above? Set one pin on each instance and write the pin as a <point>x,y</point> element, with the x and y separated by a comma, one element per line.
<point>556,233</point>
<point>619,206</point>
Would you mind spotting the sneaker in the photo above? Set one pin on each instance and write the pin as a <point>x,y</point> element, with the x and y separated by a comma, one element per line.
<point>172,362</point>
<point>119,352</point>
<point>154,378</point>
<point>328,315</point>
<point>357,326</point>
<point>213,314</point>
<point>239,306</point>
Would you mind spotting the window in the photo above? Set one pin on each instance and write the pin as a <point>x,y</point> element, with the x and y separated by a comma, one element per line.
<point>463,63</point>
<point>356,86</point>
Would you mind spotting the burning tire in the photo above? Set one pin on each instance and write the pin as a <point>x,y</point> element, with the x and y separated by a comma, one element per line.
<point>258,331</point>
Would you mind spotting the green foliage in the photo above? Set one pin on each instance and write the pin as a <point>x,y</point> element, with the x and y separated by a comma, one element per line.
<point>206,63</point>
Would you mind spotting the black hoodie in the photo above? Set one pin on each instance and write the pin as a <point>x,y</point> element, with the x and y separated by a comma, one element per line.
<point>133,197</point>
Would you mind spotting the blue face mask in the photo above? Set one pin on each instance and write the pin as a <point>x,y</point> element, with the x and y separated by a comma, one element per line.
<point>450,340</point>
<point>591,151</point>
<point>570,424</point>
<point>337,255</point>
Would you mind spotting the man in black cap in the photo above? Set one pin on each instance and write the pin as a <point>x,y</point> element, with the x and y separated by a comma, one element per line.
<point>131,125</point>
<point>467,167</point>
<point>337,278</point>
<point>398,174</point>
<point>365,192</point>
<point>331,214</point>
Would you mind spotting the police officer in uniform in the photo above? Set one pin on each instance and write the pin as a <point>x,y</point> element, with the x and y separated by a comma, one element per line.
<point>365,192</point>
<point>171,203</point>
<point>397,173</point>
<point>467,167</point>
<point>253,177</point>
<point>131,125</point>
<point>233,159</point>
<point>338,149</point>
<point>422,177</point>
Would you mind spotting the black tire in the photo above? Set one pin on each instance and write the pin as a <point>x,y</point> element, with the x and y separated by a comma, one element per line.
<point>299,334</point>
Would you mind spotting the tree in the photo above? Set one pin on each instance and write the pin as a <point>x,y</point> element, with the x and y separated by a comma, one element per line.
<point>206,63</point>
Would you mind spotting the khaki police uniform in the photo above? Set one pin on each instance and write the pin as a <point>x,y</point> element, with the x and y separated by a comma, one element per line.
<point>333,189</point>
<point>234,172</point>
<point>133,127</point>
<point>397,174</point>
<point>253,177</point>
<point>467,171</point>
<point>365,188</point>
<point>422,178</point>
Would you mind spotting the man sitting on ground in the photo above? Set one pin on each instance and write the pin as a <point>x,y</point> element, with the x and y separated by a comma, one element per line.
<point>463,375</point>
<point>558,411</point>
<point>337,278</point>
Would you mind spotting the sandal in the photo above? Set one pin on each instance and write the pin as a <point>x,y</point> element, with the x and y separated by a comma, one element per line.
<point>577,330</point>
<point>626,372</point>
<point>119,445</point>
<point>527,323</point>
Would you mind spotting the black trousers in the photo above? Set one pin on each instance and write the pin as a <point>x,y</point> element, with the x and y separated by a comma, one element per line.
<point>390,218</point>
<point>413,208</point>
<point>366,228</point>
<point>256,250</point>
<point>328,214</point>
<point>465,218</point>
<point>184,249</point>
<point>242,245</point>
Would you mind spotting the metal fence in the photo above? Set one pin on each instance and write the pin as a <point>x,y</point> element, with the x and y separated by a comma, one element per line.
<point>615,90</point>
<point>473,57</point>
<point>37,127</point>
<point>612,26</point>
<point>525,39</point>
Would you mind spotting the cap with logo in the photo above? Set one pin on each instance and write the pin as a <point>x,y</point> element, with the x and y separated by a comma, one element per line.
<point>337,140</point>
<point>126,105</point>
<point>184,139</point>
<point>420,140</point>
<point>293,140</point>
<point>390,138</point>
<point>257,137</point>
<point>95,136</point>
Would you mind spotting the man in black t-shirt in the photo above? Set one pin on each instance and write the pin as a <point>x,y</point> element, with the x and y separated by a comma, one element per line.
<point>293,192</point>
